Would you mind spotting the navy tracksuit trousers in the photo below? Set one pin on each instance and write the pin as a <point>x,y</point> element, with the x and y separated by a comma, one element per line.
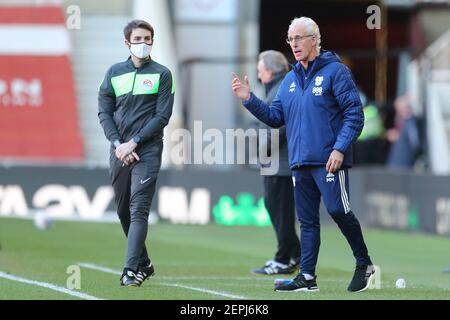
<point>310,183</point>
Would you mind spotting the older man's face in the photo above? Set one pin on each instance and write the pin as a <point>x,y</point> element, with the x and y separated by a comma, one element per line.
<point>302,44</point>
<point>264,74</point>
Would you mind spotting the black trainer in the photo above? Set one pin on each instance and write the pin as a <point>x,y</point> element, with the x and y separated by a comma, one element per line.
<point>362,278</point>
<point>299,284</point>
<point>129,279</point>
<point>144,273</point>
<point>273,267</point>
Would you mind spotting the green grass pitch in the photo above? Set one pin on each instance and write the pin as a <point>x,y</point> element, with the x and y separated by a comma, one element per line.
<point>210,262</point>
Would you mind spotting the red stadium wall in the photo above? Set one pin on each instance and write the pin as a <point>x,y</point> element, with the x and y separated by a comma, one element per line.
<point>38,111</point>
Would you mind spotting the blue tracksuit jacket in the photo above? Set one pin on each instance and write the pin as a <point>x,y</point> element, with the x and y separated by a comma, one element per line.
<point>320,107</point>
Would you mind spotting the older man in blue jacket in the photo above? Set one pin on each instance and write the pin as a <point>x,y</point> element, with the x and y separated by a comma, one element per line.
<point>319,104</point>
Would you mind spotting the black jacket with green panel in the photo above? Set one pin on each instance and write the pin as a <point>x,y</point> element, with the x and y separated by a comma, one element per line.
<point>136,103</point>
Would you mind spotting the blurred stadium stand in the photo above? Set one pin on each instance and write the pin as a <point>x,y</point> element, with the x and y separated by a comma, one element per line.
<point>96,46</point>
<point>436,96</point>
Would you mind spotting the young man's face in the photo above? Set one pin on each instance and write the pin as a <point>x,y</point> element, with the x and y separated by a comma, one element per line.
<point>302,44</point>
<point>263,74</point>
<point>140,35</point>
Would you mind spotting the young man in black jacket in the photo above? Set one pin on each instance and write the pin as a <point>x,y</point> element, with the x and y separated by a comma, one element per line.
<point>135,104</point>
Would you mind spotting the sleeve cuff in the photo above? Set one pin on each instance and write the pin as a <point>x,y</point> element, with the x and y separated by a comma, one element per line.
<point>245,103</point>
<point>340,147</point>
<point>116,143</point>
<point>136,139</point>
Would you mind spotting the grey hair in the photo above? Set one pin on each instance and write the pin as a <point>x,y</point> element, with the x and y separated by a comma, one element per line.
<point>274,61</point>
<point>311,27</point>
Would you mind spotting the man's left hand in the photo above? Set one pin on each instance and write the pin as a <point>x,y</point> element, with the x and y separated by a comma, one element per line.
<point>335,161</point>
<point>125,149</point>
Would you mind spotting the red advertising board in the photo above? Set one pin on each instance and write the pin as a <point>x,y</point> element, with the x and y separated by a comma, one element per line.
<point>38,111</point>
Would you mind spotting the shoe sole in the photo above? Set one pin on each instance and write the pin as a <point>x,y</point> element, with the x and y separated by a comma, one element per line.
<point>369,282</point>
<point>271,274</point>
<point>262,274</point>
<point>129,285</point>
<point>300,290</point>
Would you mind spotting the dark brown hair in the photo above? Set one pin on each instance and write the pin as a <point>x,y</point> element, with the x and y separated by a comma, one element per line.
<point>137,24</point>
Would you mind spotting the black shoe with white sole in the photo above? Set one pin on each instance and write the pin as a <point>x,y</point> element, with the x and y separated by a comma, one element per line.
<point>299,284</point>
<point>362,278</point>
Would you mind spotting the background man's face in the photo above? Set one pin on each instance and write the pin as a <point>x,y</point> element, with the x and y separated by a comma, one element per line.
<point>263,74</point>
<point>141,35</point>
<point>301,49</point>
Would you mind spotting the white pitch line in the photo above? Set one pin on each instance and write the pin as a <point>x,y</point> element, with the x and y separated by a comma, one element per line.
<point>98,268</point>
<point>217,293</point>
<point>48,286</point>
<point>111,271</point>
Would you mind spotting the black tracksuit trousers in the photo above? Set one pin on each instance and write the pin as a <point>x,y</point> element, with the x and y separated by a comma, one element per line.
<point>279,201</point>
<point>134,187</point>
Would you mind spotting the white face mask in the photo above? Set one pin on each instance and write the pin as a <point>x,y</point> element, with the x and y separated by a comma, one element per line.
<point>140,50</point>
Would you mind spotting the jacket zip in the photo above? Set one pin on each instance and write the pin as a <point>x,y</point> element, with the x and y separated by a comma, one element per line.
<point>300,79</point>
<point>131,97</point>
<point>134,79</point>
